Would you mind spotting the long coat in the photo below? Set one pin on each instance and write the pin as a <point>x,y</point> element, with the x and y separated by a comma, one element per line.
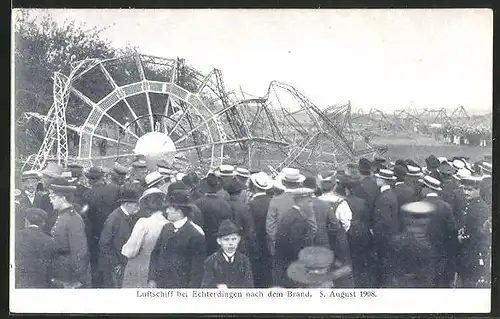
<point>367,190</point>
<point>455,196</point>
<point>443,237</point>
<point>293,234</point>
<point>71,261</point>
<point>217,270</point>
<point>101,200</point>
<point>34,253</point>
<point>243,219</point>
<point>405,194</point>
<point>177,258</point>
<point>115,234</point>
<point>214,211</point>
<point>261,266</point>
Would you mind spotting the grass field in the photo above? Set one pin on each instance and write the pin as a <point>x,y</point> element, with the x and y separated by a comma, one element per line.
<point>419,149</point>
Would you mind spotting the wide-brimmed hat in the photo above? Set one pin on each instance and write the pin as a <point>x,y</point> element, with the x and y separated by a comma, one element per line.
<point>261,180</point>
<point>386,174</point>
<point>225,171</point>
<point>242,172</point>
<point>152,191</point>
<point>32,174</point>
<point>61,185</point>
<point>153,179</point>
<point>462,173</point>
<point>292,175</point>
<point>129,194</point>
<point>458,164</point>
<point>432,162</point>
<point>431,182</point>
<point>94,172</point>
<point>418,209</point>
<point>442,159</point>
<point>414,171</point>
<point>487,167</point>
<point>364,165</point>
<point>313,266</point>
<point>227,227</point>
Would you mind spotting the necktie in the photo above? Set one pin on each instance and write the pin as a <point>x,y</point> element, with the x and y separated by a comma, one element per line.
<point>170,227</point>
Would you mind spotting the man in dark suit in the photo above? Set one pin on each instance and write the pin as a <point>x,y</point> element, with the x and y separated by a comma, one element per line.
<point>404,192</point>
<point>367,189</point>
<point>34,252</point>
<point>26,197</point>
<point>227,267</point>
<point>214,210</point>
<point>225,174</point>
<point>42,200</point>
<point>115,233</point>
<point>177,258</point>
<point>101,200</point>
<point>442,233</point>
<point>258,206</point>
<point>385,221</point>
<point>452,193</point>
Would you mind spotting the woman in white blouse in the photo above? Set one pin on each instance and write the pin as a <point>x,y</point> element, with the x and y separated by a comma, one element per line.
<point>143,239</point>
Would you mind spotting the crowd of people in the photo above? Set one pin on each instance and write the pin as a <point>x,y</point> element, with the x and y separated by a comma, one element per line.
<point>372,224</point>
<point>464,135</point>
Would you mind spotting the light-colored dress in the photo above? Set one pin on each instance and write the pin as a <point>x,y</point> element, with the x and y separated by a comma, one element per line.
<point>138,249</point>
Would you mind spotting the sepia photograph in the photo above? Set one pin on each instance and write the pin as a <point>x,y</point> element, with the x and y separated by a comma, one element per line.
<point>332,161</point>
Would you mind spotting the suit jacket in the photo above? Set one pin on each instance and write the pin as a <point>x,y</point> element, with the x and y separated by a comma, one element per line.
<point>214,211</point>
<point>359,233</point>
<point>217,270</point>
<point>242,218</point>
<point>455,196</point>
<point>42,201</point>
<point>34,252</point>
<point>442,228</point>
<point>71,262</point>
<point>386,214</point>
<point>368,190</point>
<point>177,258</point>
<point>115,234</point>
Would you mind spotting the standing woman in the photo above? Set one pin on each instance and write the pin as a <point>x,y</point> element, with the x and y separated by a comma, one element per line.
<point>71,265</point>
<point>143,238</point>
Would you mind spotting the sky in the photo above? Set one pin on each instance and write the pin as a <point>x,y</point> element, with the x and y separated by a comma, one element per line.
<point>384,59</point>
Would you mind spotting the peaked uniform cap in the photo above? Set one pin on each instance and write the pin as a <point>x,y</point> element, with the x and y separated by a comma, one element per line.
<point>61,185</point>
<point>227,227</point>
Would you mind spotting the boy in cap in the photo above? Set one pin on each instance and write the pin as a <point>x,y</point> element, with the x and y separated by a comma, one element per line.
<point>115,233</point>
<point>34,251</point>
<point>227,268</point>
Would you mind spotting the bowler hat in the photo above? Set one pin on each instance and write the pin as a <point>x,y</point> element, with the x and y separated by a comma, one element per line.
<point>176,186</point>
<point>36,215</point>
<point>400,162</point>
<point>120,170</point>
<point>179,199</point>
<point>94,172</point>
<point>313,266</point>
<point>432,162</point>
<point>431,182</point>
<point>227,227</point>
<point>386,174</point>
<point>400,171</point>
<point>446,169</point>
<point>364,165</point>
<point>234,187</point>
<point>129,193</point>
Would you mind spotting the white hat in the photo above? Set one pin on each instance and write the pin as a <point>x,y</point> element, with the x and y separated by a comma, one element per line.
<point>414,171</point>
<point>485,166</point>
<point>385,174</point>
<point>68,176</point>
<point>291,175</point>
<point>179,176</point>
<point>431,182</point>
<point>243,172</point>
<point>262,180</point>
<point>225,170</point>
<point>463,173</point>
<point>151,191</point>
<point>153,178</point>
<point>165,171</point>
<point>31,174</point>
<point>458,164</point>
<point>442,159</point>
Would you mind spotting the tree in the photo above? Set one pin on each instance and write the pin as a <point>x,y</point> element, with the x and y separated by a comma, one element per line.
<point>43,47</point>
